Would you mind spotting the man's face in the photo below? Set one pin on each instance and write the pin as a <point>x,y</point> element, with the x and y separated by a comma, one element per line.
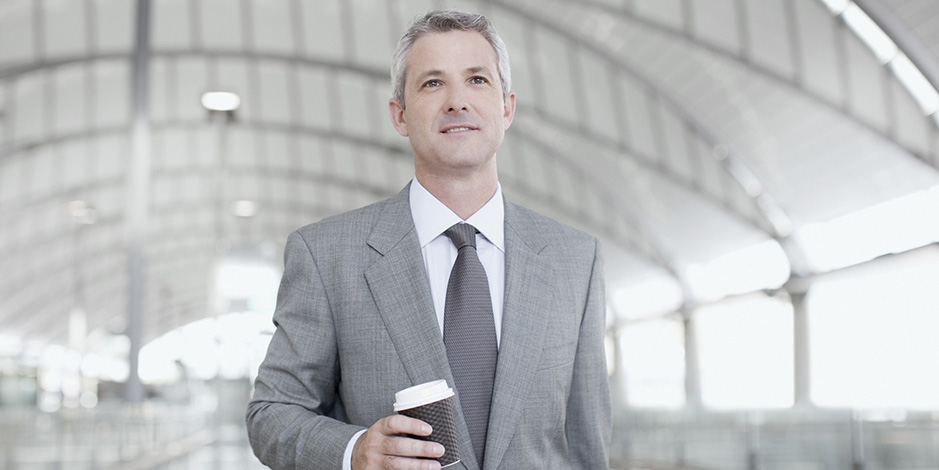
<point>454,113</point>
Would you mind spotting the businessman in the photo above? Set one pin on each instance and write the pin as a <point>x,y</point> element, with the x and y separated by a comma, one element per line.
<point>446,280</point>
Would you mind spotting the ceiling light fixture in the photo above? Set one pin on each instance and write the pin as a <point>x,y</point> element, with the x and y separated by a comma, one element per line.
<point>221,101</point>
<point>244,208</point>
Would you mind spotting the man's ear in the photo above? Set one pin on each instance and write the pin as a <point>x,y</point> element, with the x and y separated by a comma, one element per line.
<point>509,112</point>
<point>396,110</point>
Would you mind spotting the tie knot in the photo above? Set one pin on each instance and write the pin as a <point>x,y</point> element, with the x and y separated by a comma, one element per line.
<point>462,235</point>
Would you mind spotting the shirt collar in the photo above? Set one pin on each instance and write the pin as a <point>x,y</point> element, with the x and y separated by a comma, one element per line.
<point>432,218</point>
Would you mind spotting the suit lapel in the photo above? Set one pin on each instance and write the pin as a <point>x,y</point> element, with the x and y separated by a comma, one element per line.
<point>527,298</point>
<point>399,287</point>
<point>398,282</point>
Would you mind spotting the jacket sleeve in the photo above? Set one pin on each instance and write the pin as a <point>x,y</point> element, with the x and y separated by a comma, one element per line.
<point>295,418</point>
<point>588,425</point>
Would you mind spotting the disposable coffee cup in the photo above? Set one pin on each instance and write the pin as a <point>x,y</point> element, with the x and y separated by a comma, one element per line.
<point>432,403</point>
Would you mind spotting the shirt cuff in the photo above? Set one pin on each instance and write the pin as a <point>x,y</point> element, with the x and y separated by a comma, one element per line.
<point>347,456</point>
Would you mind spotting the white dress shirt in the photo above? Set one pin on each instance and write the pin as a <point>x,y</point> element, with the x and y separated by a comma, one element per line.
<point>431,219</point>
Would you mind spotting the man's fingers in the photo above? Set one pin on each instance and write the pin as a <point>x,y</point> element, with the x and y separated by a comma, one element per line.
<point>396,463</point>
<point>400,424</point>
<point>408,447</point>
<point>389,444</point>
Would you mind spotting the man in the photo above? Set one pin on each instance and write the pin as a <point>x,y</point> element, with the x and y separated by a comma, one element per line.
<point>364,308</point>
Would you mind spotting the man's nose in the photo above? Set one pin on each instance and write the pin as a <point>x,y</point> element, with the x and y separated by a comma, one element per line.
<point>456,101</point>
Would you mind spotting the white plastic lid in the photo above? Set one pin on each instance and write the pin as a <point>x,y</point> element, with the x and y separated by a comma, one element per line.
<point>420,395</point>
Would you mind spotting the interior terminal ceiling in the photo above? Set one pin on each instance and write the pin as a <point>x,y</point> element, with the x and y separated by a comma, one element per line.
<point>718,147</point>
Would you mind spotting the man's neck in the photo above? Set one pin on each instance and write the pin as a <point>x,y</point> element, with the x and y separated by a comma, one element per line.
<point>464,196</point>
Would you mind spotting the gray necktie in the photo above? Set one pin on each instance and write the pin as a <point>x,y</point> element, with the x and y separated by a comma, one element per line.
<point>469,334</point>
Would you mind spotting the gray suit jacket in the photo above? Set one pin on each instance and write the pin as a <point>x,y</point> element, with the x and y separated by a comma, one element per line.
<point>356,323</point>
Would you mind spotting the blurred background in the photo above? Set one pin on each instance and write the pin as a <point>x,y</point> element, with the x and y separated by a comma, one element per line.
<point>762,173</point>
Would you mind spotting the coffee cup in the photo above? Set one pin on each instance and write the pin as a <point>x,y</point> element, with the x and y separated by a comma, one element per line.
<point>432,403</point>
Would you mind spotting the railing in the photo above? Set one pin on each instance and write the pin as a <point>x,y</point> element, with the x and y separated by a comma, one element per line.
<point>120,438</point>
<point>795,439</point>
<point>201,436</point>
<point>206,432</point>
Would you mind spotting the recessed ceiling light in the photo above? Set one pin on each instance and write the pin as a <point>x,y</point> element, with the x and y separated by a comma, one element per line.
<point>220,101</point>
<point>244,208</point>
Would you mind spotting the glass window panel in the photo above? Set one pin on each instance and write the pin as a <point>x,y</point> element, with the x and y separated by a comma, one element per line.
<point>359,108</point>
<point>191,83</point>
<point>652,361</point>
<point>244,186</point>
<point>41,165</point>
<point>311,155</point>
<point>174,149</point>
<point>667,12</point>
<point>273,26</point>
<point>11,177</point>
<point>374,167</point>
<point>745,347</point>
<point>69,94</point>
<point>112,93</point>
<point>513,32</point>
<point>5,87</point>
<point>912,128</point>
<point>113,153</point>
<point>240,148</point>
<point>109,201</point>
<point>114,25</point>
<point>275,100</point>
<point>715,21</point>
<point>29,107</point>
<point>346,161</point>
<point>710,171</point>
<point>207,144</point>
<point>232,75</point>
<point>675,140</point>
<point>162,193</point>
<point>221,24</point>
<point>189,187</point>
<point>865,81</point>
<point>159,89</point>
<point>555,68</point>
<point>373,40</point>
<point>64,27</point>
<point>170,27</point>
<point>314,100</point>
<point>595,82</point>
<point>16,31</point>
<point>322,29</point>
<point>639,120</point>
<point>74,164</point>
<point>768,34</point>
<point>537,177</point>
<point>873,335</point>
<point>401,169</point>
<point>818,53</point>
<point>282,192</point>
<point>277,150</point>
<point>511,167</point>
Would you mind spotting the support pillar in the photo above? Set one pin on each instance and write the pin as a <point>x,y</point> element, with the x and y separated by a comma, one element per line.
<point>801,349</point>
<point>138,202</point>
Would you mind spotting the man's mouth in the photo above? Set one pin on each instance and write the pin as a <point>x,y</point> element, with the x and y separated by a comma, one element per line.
<point>457,129</point>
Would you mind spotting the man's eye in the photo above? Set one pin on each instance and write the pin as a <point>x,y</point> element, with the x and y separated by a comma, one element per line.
<point>479,80</point>
<point>431,83</point>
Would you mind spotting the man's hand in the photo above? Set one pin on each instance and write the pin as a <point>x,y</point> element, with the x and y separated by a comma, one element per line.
<point>384,446</point>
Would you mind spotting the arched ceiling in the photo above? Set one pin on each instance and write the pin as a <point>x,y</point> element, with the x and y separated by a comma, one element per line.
<point>687,134</point>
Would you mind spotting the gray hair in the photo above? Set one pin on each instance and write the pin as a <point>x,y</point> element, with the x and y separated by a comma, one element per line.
<point>442,21</point>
